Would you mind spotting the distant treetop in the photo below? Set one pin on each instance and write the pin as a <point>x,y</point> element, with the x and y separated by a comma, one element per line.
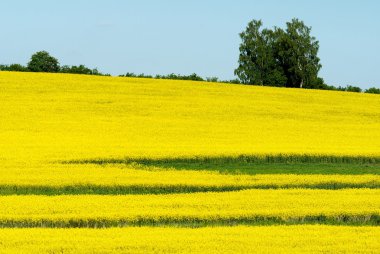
<point>42,61</point>
<point>277,57</point>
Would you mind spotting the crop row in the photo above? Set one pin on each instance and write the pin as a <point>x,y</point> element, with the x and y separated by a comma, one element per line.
<point>213,240</point>
<point>112,179</point>
<point>350,206</point>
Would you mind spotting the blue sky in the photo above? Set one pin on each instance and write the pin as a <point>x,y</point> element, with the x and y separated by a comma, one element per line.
<point>168,36</point>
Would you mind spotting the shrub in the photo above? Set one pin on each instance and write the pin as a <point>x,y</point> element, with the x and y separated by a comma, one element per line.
<point>373,90</point>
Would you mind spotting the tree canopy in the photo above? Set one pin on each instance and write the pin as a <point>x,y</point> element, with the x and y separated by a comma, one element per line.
<point>43,62</point>
<point>278,57</point>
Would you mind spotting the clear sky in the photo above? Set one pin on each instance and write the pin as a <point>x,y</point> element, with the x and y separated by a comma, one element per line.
<point>174,36</point>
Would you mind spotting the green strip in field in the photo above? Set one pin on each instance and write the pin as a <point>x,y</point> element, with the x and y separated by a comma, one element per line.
<point>160,189</point>
<point>247,164</point>
<point>248,207</point>
<point>273,168</point>
<point>119,190</point>
<point>341,220</point>
<point>220,183</point>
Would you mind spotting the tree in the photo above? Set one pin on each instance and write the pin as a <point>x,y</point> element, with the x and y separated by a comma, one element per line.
<point>43,62</point>
<point>257,64</point>
<point>296,50</point>
<point>279,57</point>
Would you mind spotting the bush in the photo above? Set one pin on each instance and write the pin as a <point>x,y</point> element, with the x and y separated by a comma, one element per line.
<point>212,79</point>
<point>193,76</point>
<point>13,67</point>
<point>373,90</point>
<point>353,89</point>
<point>81,69</point>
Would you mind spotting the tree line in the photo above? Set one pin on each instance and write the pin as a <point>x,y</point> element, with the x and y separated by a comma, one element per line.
<point>193,77</point>
<point>42,61</point>
<point>267,57</point>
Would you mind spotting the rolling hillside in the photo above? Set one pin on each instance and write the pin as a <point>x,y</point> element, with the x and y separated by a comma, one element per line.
<point>108,164</point>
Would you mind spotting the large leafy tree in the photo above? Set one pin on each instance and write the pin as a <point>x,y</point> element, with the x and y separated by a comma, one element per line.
<point>42,62</point>
<point>279,57</point>
<point>297,53</point>
<point>257,64</point>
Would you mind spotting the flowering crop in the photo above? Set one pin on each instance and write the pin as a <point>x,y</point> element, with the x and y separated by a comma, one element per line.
<point>113,179</point>
<point>240,239</point>
<point>249,206</point>
<point>64,117</point>
<point>66,139</point>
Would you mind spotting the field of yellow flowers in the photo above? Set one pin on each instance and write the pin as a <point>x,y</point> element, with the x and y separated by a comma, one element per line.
<point>214,240</point>
<point>129,165</point>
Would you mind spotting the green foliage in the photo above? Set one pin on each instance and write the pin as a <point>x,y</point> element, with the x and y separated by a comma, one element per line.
<point>43,62</point>
<point>101,223</point>
<point>319,83</point>
<point>13,67</point>
<point>212,79</point>
<point>296,50</point>
<point>133,75</point>
<point>267,57</point>
<point>353,89</point>
<point>256,164</point>
<point>18,67</point>
<point>240,165</point>
<point>81,69</point>
<point>348,88</point>
<point>279,57</point>
<point>232,81</point>
<point>373,90</point>
<point>257,64</point>
<point>193,76</point>
<point>90,189</point>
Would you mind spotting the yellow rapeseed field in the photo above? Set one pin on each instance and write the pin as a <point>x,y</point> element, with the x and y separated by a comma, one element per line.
<point>61,116</point>
<point>73,148</point>
<point>250,205</point>
<point>68,175</point>
<point>279,239</point>
<point>241,239</point>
